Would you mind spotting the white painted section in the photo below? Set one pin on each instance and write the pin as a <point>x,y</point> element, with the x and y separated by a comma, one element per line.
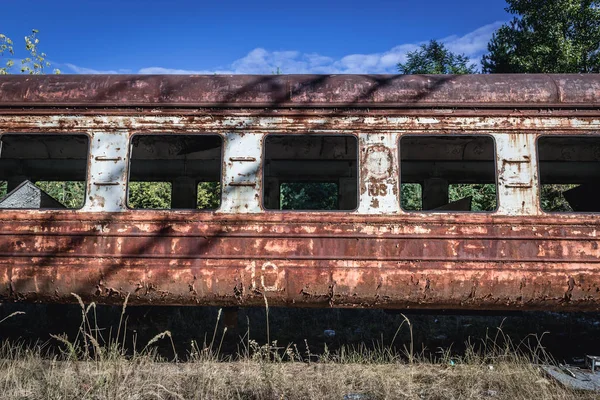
<point>242,174</point>
<point>518,190</point>
<point>107,173</point>
<point>339,124</point>
<point>378,173</point>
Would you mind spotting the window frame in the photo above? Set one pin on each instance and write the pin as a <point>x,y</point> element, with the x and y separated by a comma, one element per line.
<point>263,177</point>
<point>539,175</point>
<point>194,210</point>
<point>86,182</point>
<point>496,173</point>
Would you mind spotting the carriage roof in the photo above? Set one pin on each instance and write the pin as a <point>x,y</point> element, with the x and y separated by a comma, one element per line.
<point>303,91</point>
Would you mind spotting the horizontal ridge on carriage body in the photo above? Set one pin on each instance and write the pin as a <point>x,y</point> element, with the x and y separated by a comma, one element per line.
<point>363,135</point>
<point>302,91</point>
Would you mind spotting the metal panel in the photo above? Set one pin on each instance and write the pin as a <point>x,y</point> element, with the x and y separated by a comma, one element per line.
<point>379,174</point>
<point>517,174</point>
<point>106,185</point>
<point>432,261</point>
<point>242,173</point>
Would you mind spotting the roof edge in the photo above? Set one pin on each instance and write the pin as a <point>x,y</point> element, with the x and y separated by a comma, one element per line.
<point>285,91</point>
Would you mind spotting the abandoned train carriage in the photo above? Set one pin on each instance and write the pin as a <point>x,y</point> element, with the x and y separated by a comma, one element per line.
<point>417,191</point>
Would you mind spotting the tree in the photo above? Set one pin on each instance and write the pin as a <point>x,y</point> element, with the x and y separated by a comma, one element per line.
<point>435,58</point>
<point>547,36</point>
<point>33,64</point>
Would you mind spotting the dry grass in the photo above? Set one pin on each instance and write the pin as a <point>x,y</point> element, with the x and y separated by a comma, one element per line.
<point>26,375</point>
<point>94,367</point>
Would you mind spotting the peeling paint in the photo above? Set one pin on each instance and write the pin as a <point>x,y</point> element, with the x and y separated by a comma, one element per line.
<point>376,256</point>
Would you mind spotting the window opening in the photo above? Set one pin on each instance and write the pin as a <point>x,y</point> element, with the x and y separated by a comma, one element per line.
<point>44,171</point>
<point>448,173</point>
<point>569,170</point>
<point>310,172</point>
<point>175,172</point>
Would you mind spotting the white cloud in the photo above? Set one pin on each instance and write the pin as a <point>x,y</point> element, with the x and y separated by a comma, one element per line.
<point>473,43</point>
<point>161,70</point>
<point>262,61</point>
<point>83,70</point>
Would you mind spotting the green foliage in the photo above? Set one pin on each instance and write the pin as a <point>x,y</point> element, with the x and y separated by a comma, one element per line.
<point>149,195</point>
<point>33,64</point>
<point>70,194</point>
<point>6,46</point>
<point>411,196</point>
<point>309,196</point>
<point>152,195</point>
<point>547,36</point>
<point>434,58</point>
<point>157,195</point>
<point>209,195</point>
<point>483,195</point>
<point>552,199</point>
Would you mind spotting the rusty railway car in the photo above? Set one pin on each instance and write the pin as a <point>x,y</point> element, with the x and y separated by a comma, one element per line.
<point>370,143</point>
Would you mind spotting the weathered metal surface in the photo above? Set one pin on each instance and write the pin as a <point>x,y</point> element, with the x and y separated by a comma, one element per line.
<point>242,173</point>
<point>427,260</point>
<point>302,90</point>
<point>107,166</point>
<point>376,256</point>
<point>516,164</point>
<point>22,120</point>
<point>379,184</point>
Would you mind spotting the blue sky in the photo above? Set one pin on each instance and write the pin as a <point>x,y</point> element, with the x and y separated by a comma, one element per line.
<point>177,36</point>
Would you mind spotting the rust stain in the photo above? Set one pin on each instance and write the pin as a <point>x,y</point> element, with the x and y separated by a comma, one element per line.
<point>371,261</point>
<point>466,261</point>
<point>465,91</point>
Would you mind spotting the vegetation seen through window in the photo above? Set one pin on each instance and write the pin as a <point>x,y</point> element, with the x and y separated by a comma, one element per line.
<point>70,194</point>
<point>552,198</point>
<point>410,196</point>
<point>209,195</point>
<point>152,195</point>
<point>309,196</point>
<point>483,196</point>
<point>157,195</point>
